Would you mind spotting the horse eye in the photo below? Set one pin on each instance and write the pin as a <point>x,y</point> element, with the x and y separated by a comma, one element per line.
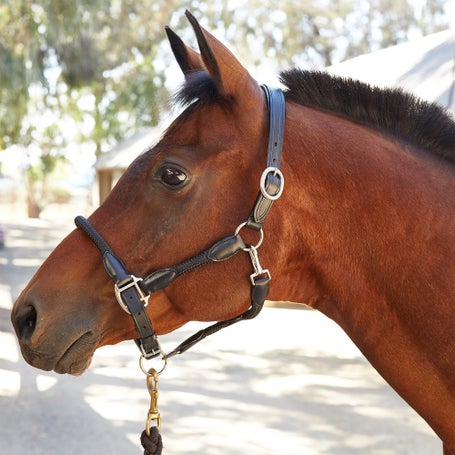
<point>173,177</point>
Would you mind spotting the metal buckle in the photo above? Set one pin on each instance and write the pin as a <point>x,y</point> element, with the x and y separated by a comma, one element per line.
<point>148,355</point>
<point>275,171</point>
<point>143,297</point>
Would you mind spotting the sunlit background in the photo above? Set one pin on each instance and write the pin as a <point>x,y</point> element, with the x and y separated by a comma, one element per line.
<point>77,78</point>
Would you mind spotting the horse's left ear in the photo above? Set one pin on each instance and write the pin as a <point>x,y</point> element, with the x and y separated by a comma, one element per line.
<point>188,59</point>
<point>230,77</point>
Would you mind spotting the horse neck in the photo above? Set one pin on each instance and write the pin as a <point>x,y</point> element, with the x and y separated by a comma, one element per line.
<point>373,229</point>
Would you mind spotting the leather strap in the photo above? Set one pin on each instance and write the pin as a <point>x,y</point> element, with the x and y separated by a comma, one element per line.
<point>276,104</point>
<point>220,251</point>
<point>272,180</point>
<point>147,340</point>
<point>259,292</point>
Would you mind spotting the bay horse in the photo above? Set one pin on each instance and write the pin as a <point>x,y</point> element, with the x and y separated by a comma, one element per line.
<point>363,231</point>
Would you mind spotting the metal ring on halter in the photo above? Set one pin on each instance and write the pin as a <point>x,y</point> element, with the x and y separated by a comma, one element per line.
<point>261,238</point>
<point>145,371</point>
<point>267,171</point>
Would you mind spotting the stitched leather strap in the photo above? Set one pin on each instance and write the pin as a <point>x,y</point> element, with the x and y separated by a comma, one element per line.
<point>220,251</point>
<point>147,340</point>
<point>276,104</point>
<point>273,182</point>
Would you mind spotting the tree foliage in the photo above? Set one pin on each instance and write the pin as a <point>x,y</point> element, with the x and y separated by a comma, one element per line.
<point>107,50</point>
<point>97,67</point>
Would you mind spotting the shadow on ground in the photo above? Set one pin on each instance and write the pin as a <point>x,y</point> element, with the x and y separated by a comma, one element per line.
<point>289,382</point>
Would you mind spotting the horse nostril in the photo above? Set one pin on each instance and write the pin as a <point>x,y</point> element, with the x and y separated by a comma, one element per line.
<point>27,323</point>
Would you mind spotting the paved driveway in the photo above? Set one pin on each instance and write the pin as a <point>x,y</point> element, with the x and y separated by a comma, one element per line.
<point>288,382</point>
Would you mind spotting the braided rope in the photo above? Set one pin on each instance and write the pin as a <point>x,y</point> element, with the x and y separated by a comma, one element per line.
<point>153,444</point>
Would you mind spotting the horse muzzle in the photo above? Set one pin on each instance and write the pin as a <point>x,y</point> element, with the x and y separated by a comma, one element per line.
<point>44,346</point>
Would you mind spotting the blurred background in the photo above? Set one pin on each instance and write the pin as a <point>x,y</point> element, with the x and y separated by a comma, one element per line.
<point>85,88</point>
<point>77,78</point>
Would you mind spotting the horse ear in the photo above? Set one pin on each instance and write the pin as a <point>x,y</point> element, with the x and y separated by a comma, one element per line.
<point>188,59</point>
<point>228,74</point>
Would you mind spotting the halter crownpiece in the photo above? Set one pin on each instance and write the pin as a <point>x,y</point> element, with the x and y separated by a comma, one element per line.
<point>133,293</point>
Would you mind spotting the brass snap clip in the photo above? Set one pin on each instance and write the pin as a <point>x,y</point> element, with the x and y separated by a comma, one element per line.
<point>153,414</point>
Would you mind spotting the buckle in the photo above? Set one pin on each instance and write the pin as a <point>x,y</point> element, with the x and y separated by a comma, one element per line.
<point>276,172</point>
<point>133,282</point>
<point>149,352</point>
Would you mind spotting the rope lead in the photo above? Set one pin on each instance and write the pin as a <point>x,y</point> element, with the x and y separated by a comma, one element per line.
<point>152,443</point>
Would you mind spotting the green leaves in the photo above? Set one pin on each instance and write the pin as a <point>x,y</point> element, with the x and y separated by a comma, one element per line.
<point>97,68</point>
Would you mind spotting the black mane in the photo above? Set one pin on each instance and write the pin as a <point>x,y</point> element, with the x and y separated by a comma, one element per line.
<point>423,124</point>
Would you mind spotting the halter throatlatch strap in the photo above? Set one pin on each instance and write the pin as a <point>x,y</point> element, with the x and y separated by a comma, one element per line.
<point>259,292</point>
<point>133,293</point>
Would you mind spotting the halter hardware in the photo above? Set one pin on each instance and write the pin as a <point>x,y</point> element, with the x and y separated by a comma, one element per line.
<point>264,189</point>
<point>133,293</point>
<point>120,288</point>
<point>258,270</point>
<point>153,414</point>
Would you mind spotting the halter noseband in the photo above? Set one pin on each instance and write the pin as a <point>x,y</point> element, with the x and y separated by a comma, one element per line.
<point>133,293</point>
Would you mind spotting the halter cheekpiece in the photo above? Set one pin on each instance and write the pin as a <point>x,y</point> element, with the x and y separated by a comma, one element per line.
<point>133,293</point>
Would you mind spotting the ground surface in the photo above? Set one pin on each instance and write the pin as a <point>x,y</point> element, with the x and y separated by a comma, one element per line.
<point>288,382</point>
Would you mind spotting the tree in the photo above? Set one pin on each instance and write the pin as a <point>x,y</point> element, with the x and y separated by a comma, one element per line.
<point>87,64</point>
<point>105,51</point>
<point>98,67</point>
<point>20,66</point>
<point>311,33</point>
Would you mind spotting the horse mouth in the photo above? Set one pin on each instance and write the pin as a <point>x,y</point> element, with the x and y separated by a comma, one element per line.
<point>74,360</point>
<point>77,358</point>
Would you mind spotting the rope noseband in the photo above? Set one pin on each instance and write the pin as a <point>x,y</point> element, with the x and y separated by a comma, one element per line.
<point>133,293</point>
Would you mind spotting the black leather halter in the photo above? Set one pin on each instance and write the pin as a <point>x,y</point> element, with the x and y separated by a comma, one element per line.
<point>133,293</point>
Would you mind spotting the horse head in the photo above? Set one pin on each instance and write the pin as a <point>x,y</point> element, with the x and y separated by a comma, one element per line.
<point>176,199</point>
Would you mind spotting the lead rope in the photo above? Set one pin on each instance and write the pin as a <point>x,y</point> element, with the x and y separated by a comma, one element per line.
<point>152,443</point>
